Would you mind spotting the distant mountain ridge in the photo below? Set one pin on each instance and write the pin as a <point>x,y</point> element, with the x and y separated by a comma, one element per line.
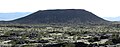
<point>12,15</point>
<point>70,16</point>
<point>112,18</point>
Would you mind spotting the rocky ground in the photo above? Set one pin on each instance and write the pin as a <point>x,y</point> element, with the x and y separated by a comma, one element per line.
<point>59,36</point>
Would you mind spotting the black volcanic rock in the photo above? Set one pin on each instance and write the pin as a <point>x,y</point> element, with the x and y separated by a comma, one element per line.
<point>73,16</point>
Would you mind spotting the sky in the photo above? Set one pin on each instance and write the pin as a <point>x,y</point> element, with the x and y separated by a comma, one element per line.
<point>102,8</point>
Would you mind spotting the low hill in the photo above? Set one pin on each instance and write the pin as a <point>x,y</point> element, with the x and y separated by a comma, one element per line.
<point>69,16</point>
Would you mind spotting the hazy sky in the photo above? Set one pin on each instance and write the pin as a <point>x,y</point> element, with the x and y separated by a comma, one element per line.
<point>102,8</point>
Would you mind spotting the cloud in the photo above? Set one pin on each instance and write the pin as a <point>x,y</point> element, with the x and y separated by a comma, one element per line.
<point>103,8</point>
